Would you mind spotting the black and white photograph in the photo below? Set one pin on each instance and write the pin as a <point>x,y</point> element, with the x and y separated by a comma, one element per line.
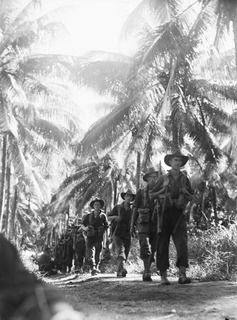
<point>118,159</point>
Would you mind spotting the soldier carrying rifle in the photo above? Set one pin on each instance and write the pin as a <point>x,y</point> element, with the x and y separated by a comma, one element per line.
<point>173,191</point>
<point>120,218</point>
<point>142,221</point>
<point>94,224</point>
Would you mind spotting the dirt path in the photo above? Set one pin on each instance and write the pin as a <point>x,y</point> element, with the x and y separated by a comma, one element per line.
<point>106,297</point>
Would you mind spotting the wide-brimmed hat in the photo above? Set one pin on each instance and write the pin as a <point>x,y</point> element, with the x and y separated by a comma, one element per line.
<point>149,172</point>
<point>123,194</point>
<point>101,201</point>
<point>176,154</point>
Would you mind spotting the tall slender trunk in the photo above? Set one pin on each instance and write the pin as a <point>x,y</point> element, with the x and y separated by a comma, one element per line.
<point>13,214</point>
<point>235,37</point>
<point>8,178</point>
<point>138,173</point>
<point>3,179</point>
<point>115,186</point>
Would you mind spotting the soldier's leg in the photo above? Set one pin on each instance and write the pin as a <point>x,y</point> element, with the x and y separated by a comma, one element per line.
<point>81,254</point>
<point>127,246</point>
<point>120,253</point>
<point>153,244</point>
<point>162,255</point>
<point>90,252</point>
<point>98,250</point>
<point>145,253</point>
<point>181,245</point>
<point>76,263</point>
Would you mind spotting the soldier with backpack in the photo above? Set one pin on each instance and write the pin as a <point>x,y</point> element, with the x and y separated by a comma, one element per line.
<point>120,218</point>
<point>173,191</point>
<point>142,221</point>
<point>95,224</point>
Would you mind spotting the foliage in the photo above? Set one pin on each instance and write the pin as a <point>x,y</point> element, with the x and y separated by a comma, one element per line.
<point>213,252</point>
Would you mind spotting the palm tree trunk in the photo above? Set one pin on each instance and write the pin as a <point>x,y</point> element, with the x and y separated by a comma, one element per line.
<point>8,173</point>
<point>3,179</point>
<point>115,187</point>
<point>13,214</point>
<point>138,174</point>
<point>235,36</point>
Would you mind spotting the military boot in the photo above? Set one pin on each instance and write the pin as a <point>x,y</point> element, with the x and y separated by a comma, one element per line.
<point>121,271</point>
<point>94,271</point>
<point>183,279</point>
<point>147,273</point>
<point>163,278</point>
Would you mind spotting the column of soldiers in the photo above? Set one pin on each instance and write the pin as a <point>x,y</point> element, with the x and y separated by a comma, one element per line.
<point>154,214</point>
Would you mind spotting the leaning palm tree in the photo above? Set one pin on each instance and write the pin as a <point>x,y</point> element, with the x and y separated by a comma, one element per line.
<point>165,56</point>
<point>27,133</point>
<point>98,177</point>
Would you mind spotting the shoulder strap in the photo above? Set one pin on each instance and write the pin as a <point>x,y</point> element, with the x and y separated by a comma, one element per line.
<point>119,210</point>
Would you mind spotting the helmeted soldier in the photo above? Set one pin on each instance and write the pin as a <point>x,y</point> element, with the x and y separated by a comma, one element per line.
<point>95,225</point>
<point>142,221</point>
<point>120,218</point>
<point>173,191</point>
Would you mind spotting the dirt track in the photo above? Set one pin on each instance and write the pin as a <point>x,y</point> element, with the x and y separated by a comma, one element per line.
<point>106,297</point>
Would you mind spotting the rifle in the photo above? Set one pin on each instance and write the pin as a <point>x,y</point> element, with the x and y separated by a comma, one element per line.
<point>160,217</point>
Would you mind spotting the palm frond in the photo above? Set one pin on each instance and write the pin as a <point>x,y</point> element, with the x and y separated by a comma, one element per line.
<point>203,139</point>
<point>227,90</point>
<point>106,126</point>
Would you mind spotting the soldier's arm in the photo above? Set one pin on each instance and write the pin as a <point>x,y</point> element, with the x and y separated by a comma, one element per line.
<point>105,221</point>
<point>113,215</point>
<point>135,212</point>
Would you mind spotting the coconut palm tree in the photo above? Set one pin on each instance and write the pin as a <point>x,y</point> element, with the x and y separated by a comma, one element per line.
<point>95,178</point>
<point>28,132</point>
<point>226,12</point>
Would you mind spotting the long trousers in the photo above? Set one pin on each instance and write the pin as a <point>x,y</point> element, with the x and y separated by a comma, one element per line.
<point>93,251</point>
<point>122,246</point>
<point>175,226</point>
<point>147,245</point>
<point>79,255</point>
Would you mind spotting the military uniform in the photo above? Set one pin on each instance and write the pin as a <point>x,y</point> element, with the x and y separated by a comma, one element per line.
<point>97,225</point>
<point>143,220</point>
<point>174,191</point>
<point>79,249</point>
<point>145,226</point>
<point>121,231</point>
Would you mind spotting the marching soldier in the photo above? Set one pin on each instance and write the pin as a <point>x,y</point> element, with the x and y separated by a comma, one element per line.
<point>173,191</point>
<point>142,221</point>
<point>79,249</point>
<point>95,224</point>
<point>120,218</point>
